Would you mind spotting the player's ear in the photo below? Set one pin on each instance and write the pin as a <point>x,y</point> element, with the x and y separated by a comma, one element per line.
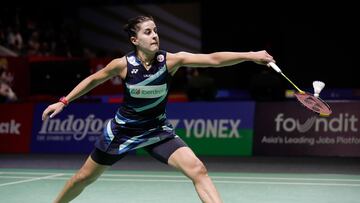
<point>134,40</point>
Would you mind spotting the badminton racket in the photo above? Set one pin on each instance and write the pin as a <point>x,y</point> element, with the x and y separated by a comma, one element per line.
<point>310,101</point>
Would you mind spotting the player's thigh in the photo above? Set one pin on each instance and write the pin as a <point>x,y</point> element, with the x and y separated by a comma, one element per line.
<point>163,150</point>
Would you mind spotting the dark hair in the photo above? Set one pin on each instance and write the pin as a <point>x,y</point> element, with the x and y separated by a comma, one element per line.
<point>132,27</point>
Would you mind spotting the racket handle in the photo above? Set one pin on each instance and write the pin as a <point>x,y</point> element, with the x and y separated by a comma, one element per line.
<point>274,66</point>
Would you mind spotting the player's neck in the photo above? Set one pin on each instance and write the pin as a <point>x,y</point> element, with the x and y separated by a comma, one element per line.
<point>146,59</point>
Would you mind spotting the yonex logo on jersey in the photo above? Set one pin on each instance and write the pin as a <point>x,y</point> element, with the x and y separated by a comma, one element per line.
<point>151,91</point>
<point>134,71</point>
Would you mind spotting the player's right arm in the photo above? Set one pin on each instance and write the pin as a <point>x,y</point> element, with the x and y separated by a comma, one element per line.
<point>116,67</point>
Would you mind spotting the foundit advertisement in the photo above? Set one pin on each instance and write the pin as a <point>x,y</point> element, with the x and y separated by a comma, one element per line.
<point>222,128</point>
<point>290,129</point>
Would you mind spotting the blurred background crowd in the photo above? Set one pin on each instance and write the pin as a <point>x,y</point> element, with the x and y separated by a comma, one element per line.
<point>308,42</point>
<point>39,32</point>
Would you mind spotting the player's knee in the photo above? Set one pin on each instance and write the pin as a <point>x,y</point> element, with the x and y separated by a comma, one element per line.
<point>198,169</point>
<point>83,178</point>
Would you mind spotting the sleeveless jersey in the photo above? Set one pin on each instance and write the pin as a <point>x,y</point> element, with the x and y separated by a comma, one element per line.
<point>140,120</point>
<point>145,92</point>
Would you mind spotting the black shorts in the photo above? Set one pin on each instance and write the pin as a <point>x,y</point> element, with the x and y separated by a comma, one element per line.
<point>161,151</point>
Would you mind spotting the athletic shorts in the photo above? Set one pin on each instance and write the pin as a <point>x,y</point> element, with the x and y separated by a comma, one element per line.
<point>161,151</point>
<point>118,140</point>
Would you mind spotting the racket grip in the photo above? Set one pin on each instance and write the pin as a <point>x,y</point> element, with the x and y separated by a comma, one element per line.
<point>274,66</point>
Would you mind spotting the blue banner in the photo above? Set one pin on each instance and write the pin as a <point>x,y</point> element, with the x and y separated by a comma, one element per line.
<point>216,128</point>
<point>74,130</point>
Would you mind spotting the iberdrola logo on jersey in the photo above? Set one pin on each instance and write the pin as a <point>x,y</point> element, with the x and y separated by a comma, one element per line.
<point>135,91</point>
<point>148,91</point>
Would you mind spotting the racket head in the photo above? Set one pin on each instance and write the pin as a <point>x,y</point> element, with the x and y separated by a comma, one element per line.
<point>313,103</point>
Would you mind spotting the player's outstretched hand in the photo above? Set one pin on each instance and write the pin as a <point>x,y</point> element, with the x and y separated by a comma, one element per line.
<point>52,110</point>
<point>262,57</point>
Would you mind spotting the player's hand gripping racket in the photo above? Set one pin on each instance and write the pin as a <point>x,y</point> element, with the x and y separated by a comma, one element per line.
<point>310,101</point>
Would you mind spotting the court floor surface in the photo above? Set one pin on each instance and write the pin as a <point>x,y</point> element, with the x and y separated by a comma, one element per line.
<point>157,186</point>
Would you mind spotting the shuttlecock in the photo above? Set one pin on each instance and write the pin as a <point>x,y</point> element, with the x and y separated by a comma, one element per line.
<point>318,86</point>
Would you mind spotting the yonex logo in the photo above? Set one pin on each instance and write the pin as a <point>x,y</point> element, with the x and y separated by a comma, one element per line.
<point>209,128</point>
<point>134,71</point>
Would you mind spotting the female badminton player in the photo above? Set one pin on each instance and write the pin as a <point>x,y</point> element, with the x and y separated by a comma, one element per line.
<point>140,121</point>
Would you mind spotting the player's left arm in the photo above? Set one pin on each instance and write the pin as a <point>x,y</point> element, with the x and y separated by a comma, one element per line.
<point>216,59</point>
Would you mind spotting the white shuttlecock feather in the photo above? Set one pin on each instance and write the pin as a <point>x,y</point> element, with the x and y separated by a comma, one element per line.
<point>318,86</point>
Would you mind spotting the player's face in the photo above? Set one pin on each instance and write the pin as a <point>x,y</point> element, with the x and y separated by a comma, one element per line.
<point>147,38</point>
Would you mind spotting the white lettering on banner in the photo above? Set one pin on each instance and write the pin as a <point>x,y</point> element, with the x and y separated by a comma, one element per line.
<point>347,140</point>
<point>78,127</point>
<point>272,140</point>
<point>222,128</point>
<point>325,140</point>
<point>11,127</point>
<point>343,123</point>
<point>322,140</point>
<point>300,140</point>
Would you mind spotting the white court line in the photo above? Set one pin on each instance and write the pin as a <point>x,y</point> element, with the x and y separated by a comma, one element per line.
<point>213,177</point>
<point>15,177</point>
<point>32,179</point>
<point>55,177</point>
<point>237,182</point>
<point>30,173</point>
<point>234,177</point>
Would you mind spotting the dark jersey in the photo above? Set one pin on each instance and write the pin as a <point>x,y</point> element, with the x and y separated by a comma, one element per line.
<point>146,92</point>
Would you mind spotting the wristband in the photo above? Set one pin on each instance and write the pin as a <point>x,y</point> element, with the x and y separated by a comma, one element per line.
<point>64,101</point>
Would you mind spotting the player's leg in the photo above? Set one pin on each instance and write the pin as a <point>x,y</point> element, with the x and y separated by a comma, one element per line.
<point>186,161</point>
<point>87,174</point>
<point>94,166</point>
<point>175,152</point>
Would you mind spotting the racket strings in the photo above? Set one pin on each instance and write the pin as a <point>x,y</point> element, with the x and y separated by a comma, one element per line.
<point>314,103</point>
